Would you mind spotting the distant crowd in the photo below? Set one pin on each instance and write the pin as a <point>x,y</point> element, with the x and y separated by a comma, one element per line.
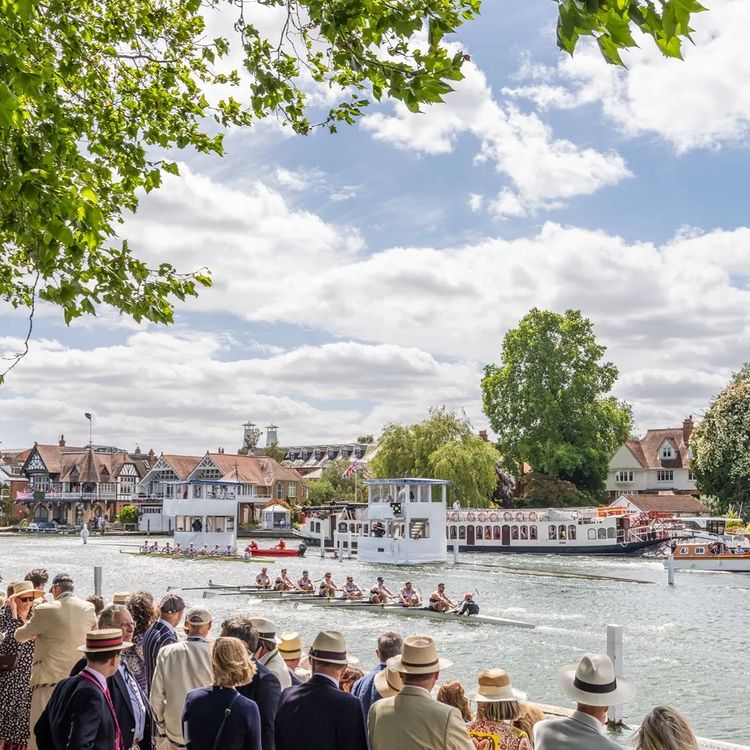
<point>82,675</point>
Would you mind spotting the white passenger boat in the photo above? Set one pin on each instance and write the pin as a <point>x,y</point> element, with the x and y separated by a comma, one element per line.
<point>710,556</point>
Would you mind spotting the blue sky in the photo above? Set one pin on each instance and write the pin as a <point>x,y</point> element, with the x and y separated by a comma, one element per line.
<point>365,276</point>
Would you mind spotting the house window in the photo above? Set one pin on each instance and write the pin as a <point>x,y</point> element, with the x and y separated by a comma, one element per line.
<point>624,476</point>
<point>291,490</point>
<point>279,490</point>
<point>691,476</point>
<point>666,451</point>
<point>664,475</point>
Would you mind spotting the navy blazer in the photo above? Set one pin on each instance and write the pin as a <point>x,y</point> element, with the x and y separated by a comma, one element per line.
<point>316,715</point>
<point>204,712</point>
<point>77,717</point>
<point>160,634</point>
<point>265,690</point>
<point>364,688</point>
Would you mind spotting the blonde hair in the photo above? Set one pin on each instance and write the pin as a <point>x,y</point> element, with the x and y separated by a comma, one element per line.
<point>529,715</point>
<point>230,664</point>
<point>498,710</point>
<point>665,728</point>
<point>452,694</point>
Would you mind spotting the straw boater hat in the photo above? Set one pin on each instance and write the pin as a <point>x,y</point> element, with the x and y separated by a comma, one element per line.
<point>418,657</point>
<point>266,629</point>
<point>593,682</point>
<point>98,641</point>
<point>330,646</point>
<point>24,588</point>
<point>290,646</point>
<point>388,682</point>
<point>494,687</point>
<point>121,597</point>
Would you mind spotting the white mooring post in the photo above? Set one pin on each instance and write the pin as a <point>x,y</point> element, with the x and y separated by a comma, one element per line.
<point>98,580</point>
<point>455,553</point>
<point>670,569</point>
<point>614,651</point>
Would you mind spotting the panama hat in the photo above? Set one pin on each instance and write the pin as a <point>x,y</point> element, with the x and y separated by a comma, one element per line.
<point>418,657</point>
<point>98,641</point>
<point>290,646</point>
<point>266,629</point>
<point>330,646</point>
<point>121,597</point>
<point>388,682</point>
<point>494,687</point>
<point>593,682</point>
<point>24,587</point>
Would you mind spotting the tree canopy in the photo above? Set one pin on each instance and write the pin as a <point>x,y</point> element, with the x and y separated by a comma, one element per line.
<point>441,447</point>
<point>548,400</point>
<point>721,459</point>
<point>333,486</point>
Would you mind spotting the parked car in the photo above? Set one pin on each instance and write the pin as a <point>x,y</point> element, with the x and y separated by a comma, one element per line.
<point>41,527</point>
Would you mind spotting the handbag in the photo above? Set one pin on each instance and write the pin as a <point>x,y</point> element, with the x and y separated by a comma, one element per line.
<point>8,662</point>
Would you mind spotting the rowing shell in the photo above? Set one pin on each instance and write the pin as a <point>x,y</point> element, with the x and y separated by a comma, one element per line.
<point>183,556</point>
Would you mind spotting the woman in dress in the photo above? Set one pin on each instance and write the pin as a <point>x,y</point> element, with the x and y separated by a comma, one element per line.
<point>218,716</point>
<point>497,706</point>
<point>665,728</point>
<point>141,607</point>
<point>15,693</point>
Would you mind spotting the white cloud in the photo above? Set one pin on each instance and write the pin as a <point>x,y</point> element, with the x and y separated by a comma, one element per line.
<point>476,202</point>
<point>291,180</point>
<point>545,171</point>
<point>702,101</point>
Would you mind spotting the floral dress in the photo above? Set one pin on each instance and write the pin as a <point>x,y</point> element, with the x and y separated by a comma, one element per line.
<point>135,663</point>
<point>15,693</point>
<point>496,735</point>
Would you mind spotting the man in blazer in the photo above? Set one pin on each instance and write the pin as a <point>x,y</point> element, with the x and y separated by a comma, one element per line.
<point>594,686</point>
<point>412,719</point>
<point>162,632</point>
<point>389,645</point>
<point>80,715</point>
<point>180,668</point>
<point>60,628</point>
<point>264,688</point>
<point>318,715</point>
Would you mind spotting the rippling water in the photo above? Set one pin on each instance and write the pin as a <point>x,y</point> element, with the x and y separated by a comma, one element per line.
<point>684,645</point>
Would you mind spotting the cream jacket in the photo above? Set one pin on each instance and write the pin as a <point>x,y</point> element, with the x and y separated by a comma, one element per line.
<point>59,628</point>
<point>578,731</point>
<point>413,720</point>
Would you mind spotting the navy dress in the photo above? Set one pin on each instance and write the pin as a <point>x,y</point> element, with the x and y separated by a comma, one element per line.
<point>204,712</point>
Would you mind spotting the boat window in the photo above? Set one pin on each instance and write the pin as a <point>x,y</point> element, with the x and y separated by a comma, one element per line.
<point>552,529</point>
<point>453,532</point>
<point>462,532</point>
<point>524,532</point>
<point>683,550</point>
<point>479,533</point>
<point>533,532</point>
<point>611,532</point>
<point>419,528</point>
<point>700,550</point>
<point>602,533</point>
<point>514,532</point>
<point>572,532</point>
<point>592,534</point>
<point>367,529</point>
<point>561,531</point>
<point>488,532</point>
<point>496,532</point>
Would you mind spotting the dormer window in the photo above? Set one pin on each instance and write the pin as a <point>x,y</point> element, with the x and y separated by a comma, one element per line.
<point>667,451</point>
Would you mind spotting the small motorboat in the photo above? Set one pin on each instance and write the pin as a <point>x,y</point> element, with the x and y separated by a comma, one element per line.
<point>715,555</point>
<point>279,550</point>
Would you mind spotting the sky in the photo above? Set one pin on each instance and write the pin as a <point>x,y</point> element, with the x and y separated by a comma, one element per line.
<point>361,278</point>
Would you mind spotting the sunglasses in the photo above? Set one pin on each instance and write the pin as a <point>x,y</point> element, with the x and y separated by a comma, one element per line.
<point>26,598</point>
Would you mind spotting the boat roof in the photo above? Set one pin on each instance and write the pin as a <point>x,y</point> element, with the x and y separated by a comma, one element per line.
<point>406,480</point>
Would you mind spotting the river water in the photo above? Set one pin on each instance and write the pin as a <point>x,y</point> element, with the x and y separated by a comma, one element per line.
<point>684,645</point>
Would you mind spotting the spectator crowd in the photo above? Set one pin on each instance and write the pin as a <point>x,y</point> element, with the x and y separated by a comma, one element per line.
<point>79,675</point>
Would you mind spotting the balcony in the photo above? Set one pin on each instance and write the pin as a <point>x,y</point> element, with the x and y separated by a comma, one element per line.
<point>55,496</point>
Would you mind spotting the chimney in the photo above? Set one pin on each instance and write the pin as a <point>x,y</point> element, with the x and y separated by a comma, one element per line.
<point>271,435</point>
<point>687,429</point>
<point>61,441</point>
<point>483,435</point>
<point>151,457</point>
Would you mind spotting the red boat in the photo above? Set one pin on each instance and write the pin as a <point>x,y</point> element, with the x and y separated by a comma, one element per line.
<point>276,551</point>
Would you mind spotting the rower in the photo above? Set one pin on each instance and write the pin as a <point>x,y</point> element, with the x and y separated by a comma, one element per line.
<point>190,549</point>
<point>167,549</point>
<point>177,549</point>
<point>409,596</point>
<point>215,552</point>
<point>468,606</point>
<point>144,548</point>
<point>262,581</point>
<point>203,550</point>
<point>327,586</point>
<point>351,590</point>
<point>229,551</point>
<point>379,594</point>
<point>283,582</point>
<point>155,547</point>
<point>305,584</point>
<point>439,602</point>
<point>281,545</point>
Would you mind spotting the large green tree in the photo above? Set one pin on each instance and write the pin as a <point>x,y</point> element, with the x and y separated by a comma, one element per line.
<point>721,457</point>
<point>333,486</point>
<point>441,447</point>
<point>548,400</point>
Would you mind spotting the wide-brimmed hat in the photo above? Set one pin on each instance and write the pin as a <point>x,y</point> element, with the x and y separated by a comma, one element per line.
<point>419,656</point>
<point>388,682</point>
<point>593,682</point>
<point>266,629</point>
<point>290,646</point>
<point>109,639</point>
<point>21,588</point>
<point>493,686</point>
<point>120,597</point>
<point>330,646</point>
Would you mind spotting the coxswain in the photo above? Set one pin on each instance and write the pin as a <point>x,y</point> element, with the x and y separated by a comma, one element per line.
<point>379,594</point>
<point>305,584</point>
<point>327,586</point>
<point>252,546</point>
<point>409,596</point>
<point>177,549</point>
<point>439,602</point>
<point>281,545</point>
<point>283,582</point>
<point>351,590</point>
<point>262,581</point>
<point>468,606</point>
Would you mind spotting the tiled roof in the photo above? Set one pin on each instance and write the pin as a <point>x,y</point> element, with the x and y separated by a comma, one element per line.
<point>52,455</point>
<point>667,503</point>
<point>259,470</point>
<point>646,450</point>
<point>181,465</point>
<point>83,465</point>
